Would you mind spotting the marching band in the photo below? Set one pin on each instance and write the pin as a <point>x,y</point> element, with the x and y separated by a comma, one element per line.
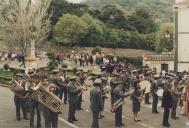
<point>38,92</point>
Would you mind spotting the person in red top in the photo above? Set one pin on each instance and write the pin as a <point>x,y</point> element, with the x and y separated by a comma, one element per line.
<point>186,99</point>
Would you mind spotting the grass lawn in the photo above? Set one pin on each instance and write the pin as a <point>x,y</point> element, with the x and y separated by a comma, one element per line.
<point>5,76</point>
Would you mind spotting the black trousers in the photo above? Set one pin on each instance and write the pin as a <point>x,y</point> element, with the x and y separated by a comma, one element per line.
<point>166,116</point>
<point>79,101</point>
<point>154,103</point>
<point>20,105</point>
<point>112,99</point>
<point>147,98</point>
<point>71,111</point>
<point>173,110</point>
<point>95,123</point>
<point>63,90</point>
<point>34,107</point>
<point>51,119</point>
<point>118,117</point>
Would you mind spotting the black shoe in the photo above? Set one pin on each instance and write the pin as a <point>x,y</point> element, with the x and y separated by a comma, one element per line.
<point>75,119</point>
<point>80,109</point>
<point>18,118</point>
<point>102,116</point>
<point>122,124</point>
<point>26,118</point>
<point>59,112</point>
<point>166,125</point>
<point>155,112</point>
<point>175,118</point>
<point>70,121</point>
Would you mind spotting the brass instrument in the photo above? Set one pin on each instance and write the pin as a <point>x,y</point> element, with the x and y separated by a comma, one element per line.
<point>83,88</point>
<point>48,99</point>
<point>117,104</point>
<point>141,98</point>
<point>121,101</point>
<point>19,88</point>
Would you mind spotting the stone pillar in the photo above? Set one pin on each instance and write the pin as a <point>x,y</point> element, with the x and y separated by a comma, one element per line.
<point>31,60</point>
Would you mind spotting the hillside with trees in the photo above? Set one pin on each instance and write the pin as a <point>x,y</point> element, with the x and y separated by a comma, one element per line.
<point>136,24</point>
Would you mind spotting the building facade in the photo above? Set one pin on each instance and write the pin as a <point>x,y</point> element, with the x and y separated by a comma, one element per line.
<point>179,60</point>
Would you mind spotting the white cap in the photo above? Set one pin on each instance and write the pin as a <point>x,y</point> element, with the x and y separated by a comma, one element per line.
<point>98,81</point>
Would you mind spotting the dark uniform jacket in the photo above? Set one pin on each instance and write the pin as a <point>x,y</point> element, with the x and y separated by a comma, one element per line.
<point>72,93</point>
<point>118,94</point>
<point>154,88</point>
<point>167,99</point>
<point>96,99</point>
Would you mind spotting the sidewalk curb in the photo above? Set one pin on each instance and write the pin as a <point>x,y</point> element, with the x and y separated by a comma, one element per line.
<point>4,85</point>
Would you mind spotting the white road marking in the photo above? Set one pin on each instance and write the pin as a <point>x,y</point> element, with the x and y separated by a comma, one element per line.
<point>68,123</point>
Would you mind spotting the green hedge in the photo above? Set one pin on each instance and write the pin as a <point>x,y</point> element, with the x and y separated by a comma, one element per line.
<point>134,60</point>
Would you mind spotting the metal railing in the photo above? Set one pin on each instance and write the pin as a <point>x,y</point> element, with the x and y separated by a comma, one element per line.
<point>159,57</point>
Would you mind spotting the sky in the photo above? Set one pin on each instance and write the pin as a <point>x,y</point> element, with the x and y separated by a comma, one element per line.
<point>75,1</point>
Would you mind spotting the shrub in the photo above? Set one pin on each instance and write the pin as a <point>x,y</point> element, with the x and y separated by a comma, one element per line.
<point>52,65</point>
<point>6,66</point>
<point>133,60</point>
<point>96,49</point>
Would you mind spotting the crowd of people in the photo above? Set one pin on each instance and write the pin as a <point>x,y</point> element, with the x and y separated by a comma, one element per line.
<point>118,79</point>
<point>86,59</point>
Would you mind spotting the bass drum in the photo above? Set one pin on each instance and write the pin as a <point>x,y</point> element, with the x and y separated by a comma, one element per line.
<point>145,84</point>
<point>160,92</point>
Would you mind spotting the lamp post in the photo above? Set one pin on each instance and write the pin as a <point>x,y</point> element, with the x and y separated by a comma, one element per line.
<point>176,39</point>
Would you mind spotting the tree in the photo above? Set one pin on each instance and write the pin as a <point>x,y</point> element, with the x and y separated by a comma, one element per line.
<point>142,21</point>
<point>69,30</point>
<point>114,16</point>
<point>25,20</point>
<point>165,37</point>
<point>96,31</point>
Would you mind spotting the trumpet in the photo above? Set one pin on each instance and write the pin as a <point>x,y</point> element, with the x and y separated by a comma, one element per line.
<point>82,88</point>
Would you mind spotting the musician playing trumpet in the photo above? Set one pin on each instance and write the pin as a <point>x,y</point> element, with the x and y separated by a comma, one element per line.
<point>20,102</point>
<point>73,92</point>
<point>119,96</point>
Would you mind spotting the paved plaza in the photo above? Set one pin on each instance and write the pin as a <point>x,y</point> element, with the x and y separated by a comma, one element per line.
<point>149,120</point>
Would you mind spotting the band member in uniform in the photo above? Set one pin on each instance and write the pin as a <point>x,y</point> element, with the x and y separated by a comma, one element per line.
<point>81,80</point>
<point>96,102</point>
<point>119,95</point>
<point>73,92</point>
<point>166,104</point>
<point>175,97</point>
<point>154,89</point>
<point>112,86</point>
<point>20,103</point>
<point>51,118</point>
<point>136,100</point>
<point>55,79</point>
<point>103,91</point>
<point>35,80</point>
<point>63,88</point>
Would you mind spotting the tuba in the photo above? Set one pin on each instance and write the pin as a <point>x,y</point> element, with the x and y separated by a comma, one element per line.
<point>48,99</point>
